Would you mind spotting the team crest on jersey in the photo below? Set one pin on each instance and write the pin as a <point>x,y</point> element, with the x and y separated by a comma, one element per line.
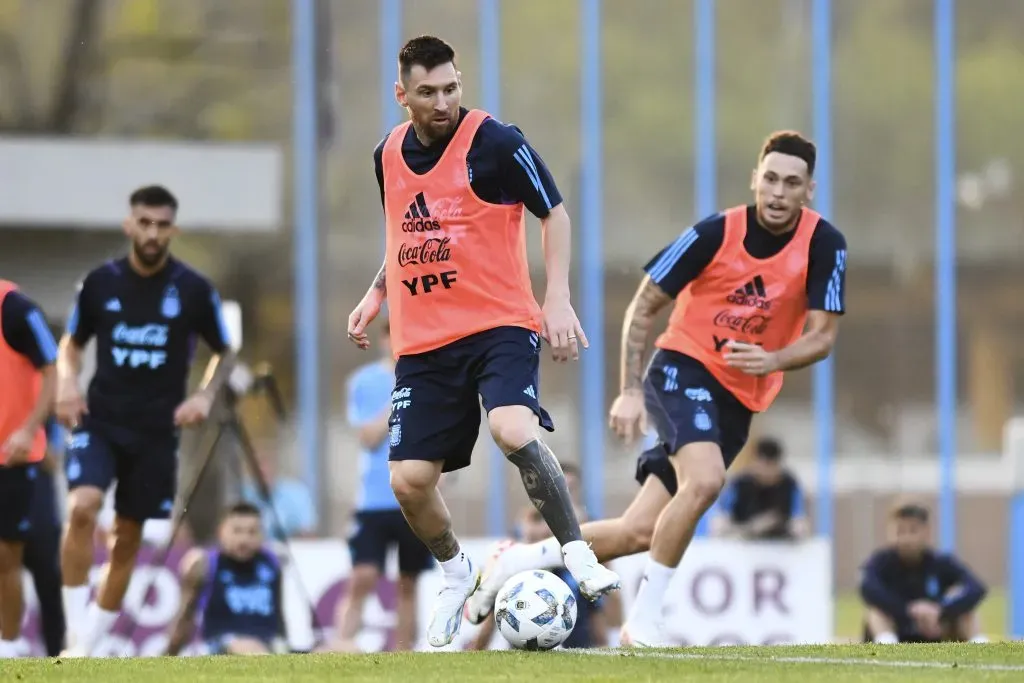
<point>170,307</point>
<point>396,434</point>
<point>702,421</point>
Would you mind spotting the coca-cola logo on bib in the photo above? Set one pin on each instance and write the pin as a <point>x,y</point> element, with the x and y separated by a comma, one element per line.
<point>746,324</point>
<point>433,250</point>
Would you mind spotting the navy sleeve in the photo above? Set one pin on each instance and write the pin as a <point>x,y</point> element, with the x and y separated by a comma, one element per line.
<point>523,175</point>
<point>210,322</point>
<point>875,592</point>
<point>826,270</point>
<point>26,331</point>
<point>81,323</point>
<point>679,264</point>
<point>968,593</point>
<point>378,166</point>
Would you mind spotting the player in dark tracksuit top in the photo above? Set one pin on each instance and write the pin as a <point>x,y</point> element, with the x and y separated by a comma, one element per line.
<point>915,594</point>
<point>145,311</point>
<point>234,589</point>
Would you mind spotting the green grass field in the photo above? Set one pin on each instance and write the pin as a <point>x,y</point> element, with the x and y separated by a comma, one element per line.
<point>835,664</point>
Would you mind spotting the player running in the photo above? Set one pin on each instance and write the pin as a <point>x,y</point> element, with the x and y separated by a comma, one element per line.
<point>145,311</point>
<point>759,290</point>
<point>235,589</point>
<point>28,381</point>
<point>464,321</point>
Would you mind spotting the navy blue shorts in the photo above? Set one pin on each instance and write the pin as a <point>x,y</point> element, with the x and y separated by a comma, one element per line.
<point>145,465</point>
<point>377,531</point>
<point>17,489</point>
<point>435,405</point>
<point>688,405</point>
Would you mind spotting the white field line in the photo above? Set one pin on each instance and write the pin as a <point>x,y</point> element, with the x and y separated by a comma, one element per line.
<point>832,661</point>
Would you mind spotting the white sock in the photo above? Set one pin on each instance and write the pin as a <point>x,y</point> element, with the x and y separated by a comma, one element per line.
<point>456,568</point>
<point>98,623</point>
<point>546,554</point>
<point>76,605</point>
<point>979,639</point>
<point>651,595</point>
<point>887,638</point>
<point>8,649</point>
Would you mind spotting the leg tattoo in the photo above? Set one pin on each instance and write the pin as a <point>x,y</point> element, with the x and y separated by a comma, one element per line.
<point>444,546</point>
<point>545,485</point>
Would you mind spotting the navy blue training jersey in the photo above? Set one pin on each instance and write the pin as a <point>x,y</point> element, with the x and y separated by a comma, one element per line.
<point>679,263</point>
<point>503,167</point>
<point>242,598</point>
<point>890,584</point>
<point>146,330</point>
<point>25,329</point>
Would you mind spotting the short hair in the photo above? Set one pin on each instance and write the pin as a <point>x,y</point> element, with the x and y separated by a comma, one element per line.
<point>793,144</point>
<point>153,195</point>
<point>769,449</point>
<point>426,51</point>
<point>242,509</point>
<point>910,511</point>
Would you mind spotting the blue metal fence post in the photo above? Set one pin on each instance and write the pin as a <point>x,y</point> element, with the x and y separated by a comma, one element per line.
<point>705,182</point>
<point>592,392</point>
<point>306,254</point>
<point>823,378</point>
<point>945,266</point>
<point>490,95</point>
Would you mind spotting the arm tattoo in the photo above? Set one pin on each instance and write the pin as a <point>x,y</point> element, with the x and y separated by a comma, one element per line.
<point>636,328</point>
<point>444,546</point>
<point>380,282</point>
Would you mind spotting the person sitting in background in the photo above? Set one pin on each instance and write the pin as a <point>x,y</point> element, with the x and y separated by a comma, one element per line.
<point>232,591</point>
<point>764,501</point>
<point>592,622</point>
<point>291,501</point>
<point>915,594</point>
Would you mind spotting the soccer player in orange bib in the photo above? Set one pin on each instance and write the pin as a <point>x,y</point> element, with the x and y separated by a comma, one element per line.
<point>464,321</point>
<point>759,290</point>
<point>28,382</point>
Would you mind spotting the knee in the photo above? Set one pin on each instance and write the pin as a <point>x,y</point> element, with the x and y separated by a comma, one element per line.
<point>639,533</point>
<point>703,484</point>
<point>413,480</point>
<point>364,580</point>
<point>83,508</point>
<point>512,427</point>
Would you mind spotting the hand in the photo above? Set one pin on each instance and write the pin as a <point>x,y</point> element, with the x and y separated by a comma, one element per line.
<point>69,404</point>
<point>562,329</point>
<point>362,316</point>
<point>751,359</point>
<point>18,447</point>
<point>764,522</point>
<point>193,410</point>
<point>628,416</point>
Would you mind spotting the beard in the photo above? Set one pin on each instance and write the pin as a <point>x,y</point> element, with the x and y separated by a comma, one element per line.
<point>148,257</point>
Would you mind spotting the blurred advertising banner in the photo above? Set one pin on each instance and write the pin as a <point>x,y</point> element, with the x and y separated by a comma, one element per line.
<point>725,593</point>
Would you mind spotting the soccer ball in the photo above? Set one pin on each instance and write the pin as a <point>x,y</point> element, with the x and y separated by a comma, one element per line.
<point>535,610</point>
